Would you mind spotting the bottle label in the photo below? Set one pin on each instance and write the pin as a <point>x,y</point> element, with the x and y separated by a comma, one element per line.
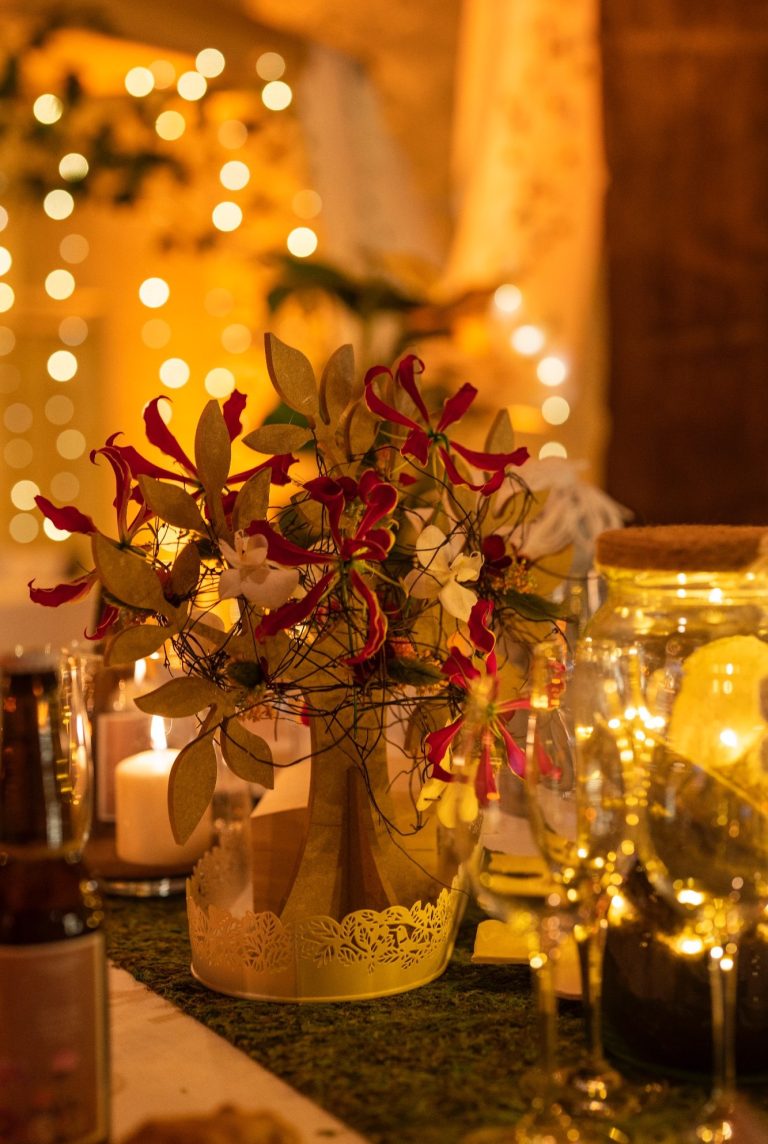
<point>54,1069</point>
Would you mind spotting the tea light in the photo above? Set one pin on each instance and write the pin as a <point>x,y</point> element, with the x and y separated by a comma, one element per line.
<point>143,830</point>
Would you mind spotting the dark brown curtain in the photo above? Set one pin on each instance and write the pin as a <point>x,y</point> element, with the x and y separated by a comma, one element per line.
<point>686,121</point>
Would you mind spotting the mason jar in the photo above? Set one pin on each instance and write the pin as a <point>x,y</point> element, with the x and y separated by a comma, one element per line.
<point>669,590</point>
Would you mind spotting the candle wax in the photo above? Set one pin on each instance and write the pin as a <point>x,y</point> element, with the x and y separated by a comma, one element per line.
<point>143,830</point>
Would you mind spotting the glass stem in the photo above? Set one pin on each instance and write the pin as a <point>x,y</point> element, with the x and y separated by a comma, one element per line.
<point>546,1003</point>
<point>590,943</point>
<point>722,982</point>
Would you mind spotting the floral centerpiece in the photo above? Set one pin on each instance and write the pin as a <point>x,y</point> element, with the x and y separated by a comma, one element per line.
<point>374,597</point>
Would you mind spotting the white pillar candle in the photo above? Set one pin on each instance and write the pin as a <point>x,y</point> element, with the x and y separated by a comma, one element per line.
<point>143,829</point>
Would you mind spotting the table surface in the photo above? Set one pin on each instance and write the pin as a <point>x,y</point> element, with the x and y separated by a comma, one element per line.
<point>423,1067</point>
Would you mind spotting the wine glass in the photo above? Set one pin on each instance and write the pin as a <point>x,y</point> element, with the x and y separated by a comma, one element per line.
<point>577,814</point>
<point>694,745</point>
<point>512,885</point>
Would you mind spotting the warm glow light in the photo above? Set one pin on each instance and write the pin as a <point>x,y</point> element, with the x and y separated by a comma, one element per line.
<point>139,81</point>
<point>165,409</point>
<point>508,298</point>
<point>60,284</point>
<point>232,134</point>
<point>65,486</point>
<point>73,167</point>
<point>7,340</point>
<point>174,372</point>
<point>70,444</point>
<point>191,85</point>
<point>62,365</point>
<point>552,449</point>
<point>276,95</point>
<point>18,417</point>
<point>58,204</point>
<point>270,65</point>
<point>234,175</point>
<point>236,339</point>
<point>226,216</point>
<point>23,528</point>
<point>7,297</point>
<point>156,333</point>
<point>219,382</point>
<point>73,331</point>
<point>6,260</point>
<point>552,370</point>
<point>210,62</point>
<point>555,410</point>
<point>307,204</point>
<point>154,292</point>
<point>170,125</point>
<point>74,248</point>
<point>59,409</point>
<point>47,108</point>
<point>302,241</point>
<point>23,495</point>
<point>3,218</point>
<point>10,378</point>
<point>527,340</point>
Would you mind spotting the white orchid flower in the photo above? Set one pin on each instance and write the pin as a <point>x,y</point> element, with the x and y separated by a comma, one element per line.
<point>445,568</point>
<point>251,575</point>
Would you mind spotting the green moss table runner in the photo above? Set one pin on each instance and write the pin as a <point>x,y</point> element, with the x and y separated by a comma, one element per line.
<point>424,1067</point>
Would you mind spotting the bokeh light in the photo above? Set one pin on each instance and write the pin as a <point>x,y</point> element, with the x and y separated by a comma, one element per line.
<point>59,409</point>
<point>70,444</point>
<point>18,453</point>
<point>219,382</point>
<point>62,365</point>
<point>552,370</point>
<point>237,338</point>
<point>302,241</point>
<point>307,203</point>
<point>60,284</point>
<point>73,330</point>
<point>18,417</point>
<point>154,292</point>
<point>527,340</point>
<point>555,410</point>
<point>73,167</point>
<point>270,65</point>
<point>227,216</point>
<point>23,528</point>
<point>140,81</point>
<point>23,495</point>
<point>276,95</point>
<point>7,297</point>
<point>553,449</point>
<point>191,85</point>
<point>54,533</point>
<point>3,218</point>
<point>508,298</point>
<point>234,175</point>
<point>74,248</point>
<point>47,108</point>
<point>232,134</point>
<point>155,333</point>
<point>174,373</point>
<point>7,340</point>
<point>6,260</point>
<point>65,486</point>
<point>210,62</point>
<point>164,73</point>
<point>170,125</point>
<point>58,204</point>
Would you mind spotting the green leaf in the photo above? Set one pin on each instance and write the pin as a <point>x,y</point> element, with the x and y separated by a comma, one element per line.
<point>414,671</point>
<point>172,504</point>
<point>185,572</point>
<point>191,785</point>
<point>213,450</point>
<point>180,697</point>
<point>128,577</point>
<point>136,643</point>
<point>292,376</point>
<point>252,501</point>
<point>337,384</point>
<point>246,754</point>
<point>274,439</point>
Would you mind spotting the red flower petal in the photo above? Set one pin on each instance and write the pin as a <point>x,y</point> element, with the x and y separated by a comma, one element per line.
<point>480,626</point>
<point>108,617</point>
<point>416,445</point>
<point>62,593</point>
<point>231,410</point>
<point>377,621</point>
<point>406,373</point>
<point>438,742</point>
<point>159,435</point>
<point>69,518</point>
<point>491,462</point>
<point>294,611</point>
<point>376,404</point>
<point>456,406</point>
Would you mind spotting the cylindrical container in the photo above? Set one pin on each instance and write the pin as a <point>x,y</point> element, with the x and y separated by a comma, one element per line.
<point>670,590</point>
<point>54,1060</point>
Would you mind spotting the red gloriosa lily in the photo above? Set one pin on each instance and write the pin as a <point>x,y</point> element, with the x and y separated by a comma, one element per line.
<point>421,437</point>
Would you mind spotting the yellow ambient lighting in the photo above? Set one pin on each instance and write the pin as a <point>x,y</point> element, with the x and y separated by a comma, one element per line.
<point>47,108</point>
<point>174,373</point>
<point>508,298</point>
<point>234,175</point>
<point>210,62</point>
<point>270,65</point>
<point>170,125</point>
<point>58,204</point>
<point>60,284</point>
<point>191,85</point>
<point>139,82</point>
<point>154,292</point>
<point>276,95</point>
<point>227,216</point>
<point>552,370</point>
<point>62,365</point>
<point>302,241</point>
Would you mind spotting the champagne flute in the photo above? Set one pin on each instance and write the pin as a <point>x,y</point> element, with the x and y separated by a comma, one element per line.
<point>699,763</point>
<point>577,814</point>
<point>522,894</point>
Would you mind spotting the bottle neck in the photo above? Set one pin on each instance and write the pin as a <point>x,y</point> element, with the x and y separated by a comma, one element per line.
<point>44,772</point>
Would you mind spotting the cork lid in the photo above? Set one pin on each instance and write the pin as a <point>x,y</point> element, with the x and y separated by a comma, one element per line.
<point>684,547</point>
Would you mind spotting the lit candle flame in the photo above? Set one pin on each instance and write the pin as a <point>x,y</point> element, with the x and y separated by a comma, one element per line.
<point>157,733</point>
